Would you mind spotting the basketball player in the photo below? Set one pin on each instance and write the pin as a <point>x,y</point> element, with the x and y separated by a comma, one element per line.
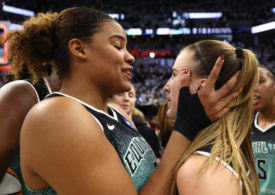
<point>263,135</point>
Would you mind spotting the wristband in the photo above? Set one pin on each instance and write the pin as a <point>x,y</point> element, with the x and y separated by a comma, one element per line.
<point>191,117</point>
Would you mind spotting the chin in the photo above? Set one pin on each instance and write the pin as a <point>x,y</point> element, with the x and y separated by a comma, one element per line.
<point>126,86</point>
<point>171,114</point>
<point>257,108</point>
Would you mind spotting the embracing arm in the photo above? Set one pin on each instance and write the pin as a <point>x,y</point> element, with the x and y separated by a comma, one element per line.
<point>16,99</point>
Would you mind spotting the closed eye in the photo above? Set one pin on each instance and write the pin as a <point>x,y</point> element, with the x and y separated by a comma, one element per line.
<point>117,47</point>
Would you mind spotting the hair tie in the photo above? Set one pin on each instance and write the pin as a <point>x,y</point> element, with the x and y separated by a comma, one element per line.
<point>239,52</point>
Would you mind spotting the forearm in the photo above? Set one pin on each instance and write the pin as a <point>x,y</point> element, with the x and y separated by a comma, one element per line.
<point>160,182</point>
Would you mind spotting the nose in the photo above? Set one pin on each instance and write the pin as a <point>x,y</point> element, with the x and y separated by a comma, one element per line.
<point>125,97</point>
<point>166,87</point>
<point>129,58</point>
<point>256,88</point>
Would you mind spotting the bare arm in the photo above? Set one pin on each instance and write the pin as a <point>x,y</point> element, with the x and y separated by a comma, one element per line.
<point>16,99</point>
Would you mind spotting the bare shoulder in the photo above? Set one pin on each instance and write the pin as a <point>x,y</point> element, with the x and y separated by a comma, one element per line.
<point>54,113</point>
<point>16,99</point>
<point>63,145</point>
<point>54,128</point>
<point>216,180</point>
<point>19,93</point>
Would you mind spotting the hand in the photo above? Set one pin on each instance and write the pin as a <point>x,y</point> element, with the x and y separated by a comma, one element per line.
<point>196,111</point>
<point>215,101</point>
<point>183,79</point>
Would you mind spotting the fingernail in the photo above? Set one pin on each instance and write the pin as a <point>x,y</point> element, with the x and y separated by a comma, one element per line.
<point>185,70</point>
<point>221,57</point>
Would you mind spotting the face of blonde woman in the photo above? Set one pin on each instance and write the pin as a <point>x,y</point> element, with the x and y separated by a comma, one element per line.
<point>126,100</point>
<point>184,60</point>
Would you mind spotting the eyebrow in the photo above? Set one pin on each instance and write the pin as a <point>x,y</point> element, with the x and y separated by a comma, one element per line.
<point>174,70</point>
<point>118,36</point>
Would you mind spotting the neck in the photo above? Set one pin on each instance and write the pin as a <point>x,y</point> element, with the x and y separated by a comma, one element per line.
<point>266,116</point>
<point>85,92</point>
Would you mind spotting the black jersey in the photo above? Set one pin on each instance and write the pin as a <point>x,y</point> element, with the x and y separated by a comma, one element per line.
<point>135,153</point>
<point>41,87</point>
<point>263,142</point>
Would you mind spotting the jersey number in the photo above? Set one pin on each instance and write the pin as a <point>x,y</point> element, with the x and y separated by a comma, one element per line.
<point>261,170</point>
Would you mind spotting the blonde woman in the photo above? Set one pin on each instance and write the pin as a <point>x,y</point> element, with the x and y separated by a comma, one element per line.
<point>220,156</point>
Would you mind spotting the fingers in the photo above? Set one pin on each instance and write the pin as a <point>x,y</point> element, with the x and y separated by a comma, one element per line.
<point>219,114</point>
<point>215,73</point>
<point>228,86</point>
<point>185,76</point>
<point>221,107</point>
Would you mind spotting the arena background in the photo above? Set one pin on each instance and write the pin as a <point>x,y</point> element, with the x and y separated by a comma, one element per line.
<point>157,29</point>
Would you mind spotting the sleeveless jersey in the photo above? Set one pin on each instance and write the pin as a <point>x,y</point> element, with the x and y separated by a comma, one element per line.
<point>135,153</point>
<point>205,151</point>
<point>263,142</point>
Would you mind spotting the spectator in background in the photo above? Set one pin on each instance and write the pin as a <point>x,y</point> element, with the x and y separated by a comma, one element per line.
<point>263,134</point>
<point>126,101</point>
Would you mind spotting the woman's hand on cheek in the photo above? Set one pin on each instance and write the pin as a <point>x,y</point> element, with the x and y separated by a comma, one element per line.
<point>191,117</point>
<point>183,79</point>
<point>215,101</point>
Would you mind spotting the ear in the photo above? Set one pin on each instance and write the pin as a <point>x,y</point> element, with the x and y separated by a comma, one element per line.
<point>201,83</point>
<point>76,47</point>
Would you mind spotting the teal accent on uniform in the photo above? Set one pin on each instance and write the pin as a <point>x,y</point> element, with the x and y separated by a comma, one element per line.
<point>263,144</point>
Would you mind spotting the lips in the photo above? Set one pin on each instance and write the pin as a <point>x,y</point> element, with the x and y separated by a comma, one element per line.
<point>128,72</point>
<point>124,106</point>
<point>128,75</point>
<point>256,99</point>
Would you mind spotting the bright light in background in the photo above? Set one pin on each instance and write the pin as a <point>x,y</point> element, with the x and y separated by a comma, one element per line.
<point>152,54</point>
<point>273,10</point>
<point>117,16</point>
<point>263,27</point>
<point>134,31</point>
<point>114,16</point>
<point>163,31</point>
<point>202,15</point>
<point>18,11</point>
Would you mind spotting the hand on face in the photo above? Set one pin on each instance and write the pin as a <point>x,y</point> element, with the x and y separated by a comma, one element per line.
<point>183,78</point>
<point>215,101</point>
